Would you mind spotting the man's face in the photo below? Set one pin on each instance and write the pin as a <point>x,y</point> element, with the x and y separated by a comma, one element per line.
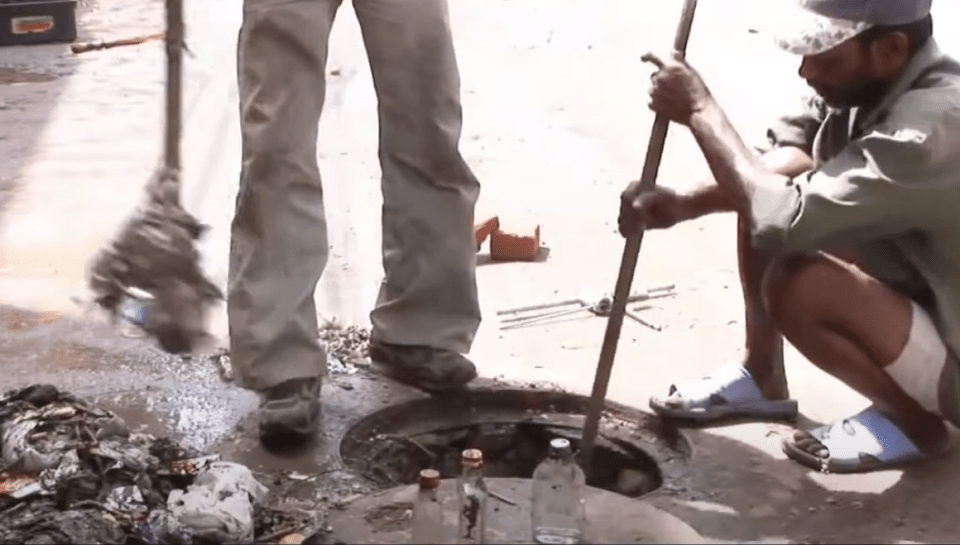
<point>844,76</point>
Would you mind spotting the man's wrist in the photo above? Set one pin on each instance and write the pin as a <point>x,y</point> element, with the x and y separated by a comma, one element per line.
<point>706,200</point>
<point>708,112</point>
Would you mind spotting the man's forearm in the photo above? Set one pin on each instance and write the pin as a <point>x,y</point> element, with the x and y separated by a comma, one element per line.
<point>711,198</point>
<point>736,169</point>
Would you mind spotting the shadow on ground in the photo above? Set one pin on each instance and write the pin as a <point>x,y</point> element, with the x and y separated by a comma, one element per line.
<point>740,493</point>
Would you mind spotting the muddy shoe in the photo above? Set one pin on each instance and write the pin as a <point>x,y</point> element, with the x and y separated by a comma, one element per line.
<point>430,369</point>
<point>290,410</point>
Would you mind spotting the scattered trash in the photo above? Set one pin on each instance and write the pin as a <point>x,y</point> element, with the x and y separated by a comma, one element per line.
<point>219,505</point>
<point>349,344</point>
<point>221,360</point>
<point>192,466</point>
<point>301,477</point>
<point>71,472</point>
<point>19,487</point>
<point>337,367</point>
<point>127,499</point>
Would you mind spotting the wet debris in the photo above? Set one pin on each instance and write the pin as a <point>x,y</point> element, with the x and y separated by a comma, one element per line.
<point>221,362</point>
<point>349,344</point>
<point>71,472</point>
<point>218,506</point>
<point>347,348</point>
<point>151,274</point>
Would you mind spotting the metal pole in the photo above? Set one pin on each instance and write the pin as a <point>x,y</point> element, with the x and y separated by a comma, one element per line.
<point>174,106</point>
<point>628,265</point>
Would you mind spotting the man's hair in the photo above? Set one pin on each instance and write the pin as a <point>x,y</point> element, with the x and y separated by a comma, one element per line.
<point>918,33</point>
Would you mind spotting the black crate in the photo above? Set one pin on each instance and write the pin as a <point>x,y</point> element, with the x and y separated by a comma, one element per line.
<point>24,22</point>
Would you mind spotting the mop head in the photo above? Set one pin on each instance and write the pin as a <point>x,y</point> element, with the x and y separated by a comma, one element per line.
<point>156,253</point>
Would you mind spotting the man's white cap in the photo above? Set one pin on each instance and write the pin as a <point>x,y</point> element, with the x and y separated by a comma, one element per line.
<point>810,27</point>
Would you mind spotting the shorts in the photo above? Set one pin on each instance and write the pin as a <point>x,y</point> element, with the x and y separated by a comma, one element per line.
<point>926,369</point>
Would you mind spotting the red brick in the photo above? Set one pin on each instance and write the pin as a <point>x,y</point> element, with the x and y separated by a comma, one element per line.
<point>483,230</point>
<point>515,246</point>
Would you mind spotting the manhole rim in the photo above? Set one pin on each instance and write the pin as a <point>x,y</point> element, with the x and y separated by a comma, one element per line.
<point>672,462</point>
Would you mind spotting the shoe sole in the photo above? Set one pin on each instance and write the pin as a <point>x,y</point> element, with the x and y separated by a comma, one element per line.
<point>763,411</point>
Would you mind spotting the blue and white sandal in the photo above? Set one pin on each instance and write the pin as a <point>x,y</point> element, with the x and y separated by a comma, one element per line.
<point>868,441</point>
<point>728,393</point>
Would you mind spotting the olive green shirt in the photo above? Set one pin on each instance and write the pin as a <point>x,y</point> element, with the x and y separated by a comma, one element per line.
<point>886,183</point>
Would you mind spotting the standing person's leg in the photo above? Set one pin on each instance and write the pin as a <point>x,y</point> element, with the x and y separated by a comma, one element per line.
<point>278,246</point>
<point>428,311</point>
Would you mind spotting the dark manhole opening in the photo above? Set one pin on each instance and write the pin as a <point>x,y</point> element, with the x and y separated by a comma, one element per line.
<point>513,428</point>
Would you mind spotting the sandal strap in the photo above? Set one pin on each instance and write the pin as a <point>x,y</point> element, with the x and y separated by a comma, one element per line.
<point>729,383</point>
<point>869,433</point>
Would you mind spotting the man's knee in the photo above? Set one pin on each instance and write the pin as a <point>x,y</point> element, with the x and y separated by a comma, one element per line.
<point>788,282</point>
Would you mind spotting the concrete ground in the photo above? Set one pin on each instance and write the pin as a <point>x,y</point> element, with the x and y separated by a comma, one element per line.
<point>555,126</point>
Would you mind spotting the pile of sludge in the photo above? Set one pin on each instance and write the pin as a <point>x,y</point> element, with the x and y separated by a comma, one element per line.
<point>71,472</point>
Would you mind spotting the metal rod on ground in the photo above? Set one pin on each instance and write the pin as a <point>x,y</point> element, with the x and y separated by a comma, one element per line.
<point>628,265</point>
<point>96,46</point>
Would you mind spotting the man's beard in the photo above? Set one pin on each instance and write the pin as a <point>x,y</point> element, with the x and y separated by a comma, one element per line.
<point>867,94</point>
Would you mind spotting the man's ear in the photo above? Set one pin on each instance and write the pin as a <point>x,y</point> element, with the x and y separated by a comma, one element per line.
<point>889,54</point>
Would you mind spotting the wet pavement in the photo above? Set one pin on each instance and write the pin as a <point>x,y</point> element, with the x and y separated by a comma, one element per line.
<point>555,125</point>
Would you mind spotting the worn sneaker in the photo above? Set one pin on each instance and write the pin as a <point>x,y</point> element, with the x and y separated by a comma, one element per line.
<point>430,369</point>
<point>290,410</point>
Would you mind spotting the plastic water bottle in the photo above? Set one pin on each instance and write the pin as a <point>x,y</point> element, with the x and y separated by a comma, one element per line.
<point>136,307</point>
<point>427,512</point>
<point>472,499</point>
<point>558,514</point>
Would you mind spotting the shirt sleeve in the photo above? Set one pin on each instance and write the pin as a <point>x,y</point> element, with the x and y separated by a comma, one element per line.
<point>896,178</point>
<point>797,128</point>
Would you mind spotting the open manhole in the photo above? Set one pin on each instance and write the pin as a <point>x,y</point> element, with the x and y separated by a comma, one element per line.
<point>634,454</point>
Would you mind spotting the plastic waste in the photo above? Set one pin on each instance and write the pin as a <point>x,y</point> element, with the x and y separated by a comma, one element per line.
<point>219,505</point>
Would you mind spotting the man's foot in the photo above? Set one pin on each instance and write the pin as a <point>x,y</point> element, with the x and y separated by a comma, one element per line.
<point>430,369</point>
<point>729,392</point>
<point>868,441</point>
<point>290,411</point>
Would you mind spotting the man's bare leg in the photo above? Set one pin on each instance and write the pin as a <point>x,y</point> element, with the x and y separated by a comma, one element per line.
<point>764,343</point>
<point>761,389</point>
<point>853,327</point>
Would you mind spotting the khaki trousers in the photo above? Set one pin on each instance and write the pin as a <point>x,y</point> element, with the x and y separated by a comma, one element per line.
<point>278,246</point>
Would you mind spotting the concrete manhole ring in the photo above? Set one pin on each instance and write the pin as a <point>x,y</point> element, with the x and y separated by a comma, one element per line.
<point>635,455</point>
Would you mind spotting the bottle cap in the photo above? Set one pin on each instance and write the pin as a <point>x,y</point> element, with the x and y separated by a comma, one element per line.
<point>429,478</point>
<point>472,458</point>
<point>559,447</point>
